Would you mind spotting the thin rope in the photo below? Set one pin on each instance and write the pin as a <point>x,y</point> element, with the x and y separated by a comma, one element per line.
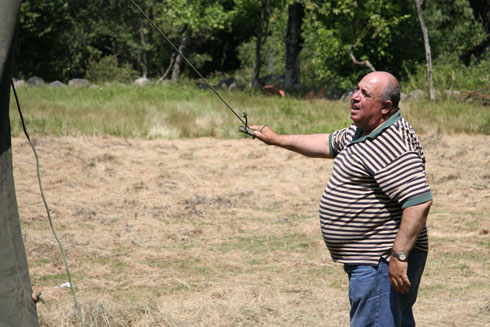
<point>189,63</point>
<point>77,306</point>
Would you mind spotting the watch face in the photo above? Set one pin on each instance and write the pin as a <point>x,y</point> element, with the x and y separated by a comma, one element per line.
<point>402,256</point>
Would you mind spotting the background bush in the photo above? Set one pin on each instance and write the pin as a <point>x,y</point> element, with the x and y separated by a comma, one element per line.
<point>107,69</point>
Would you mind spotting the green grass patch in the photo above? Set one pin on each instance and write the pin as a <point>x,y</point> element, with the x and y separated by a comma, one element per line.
<point>485,242</point>
<point>183,111</point>
<point>447,116</point>
<point>53,279</point>
<point>196,267</point>
<point>40,262</point>
<point>115,263</point>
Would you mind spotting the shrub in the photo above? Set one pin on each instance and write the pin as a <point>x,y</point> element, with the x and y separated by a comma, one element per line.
<point>107,69</point>
<point>450,74</point>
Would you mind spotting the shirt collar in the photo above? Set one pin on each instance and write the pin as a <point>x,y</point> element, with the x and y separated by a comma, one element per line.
<point>393,119</point>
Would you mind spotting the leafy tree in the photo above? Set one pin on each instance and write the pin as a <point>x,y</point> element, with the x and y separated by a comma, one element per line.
<point>376,30</point>
<point>120,32</point>
<point>481,11</point>
<point>194,19</point>
<point>452,26</point>
<point>44,40</point>
<point>62,39</point>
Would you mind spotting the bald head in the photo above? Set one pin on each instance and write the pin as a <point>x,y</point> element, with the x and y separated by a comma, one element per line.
<point>374,101</point>
<point>389,86</point>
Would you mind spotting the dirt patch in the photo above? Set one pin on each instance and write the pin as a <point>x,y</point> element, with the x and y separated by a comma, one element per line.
<point>210,232</point>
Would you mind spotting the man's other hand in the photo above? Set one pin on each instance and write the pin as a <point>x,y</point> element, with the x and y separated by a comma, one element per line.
<point>398,275</point>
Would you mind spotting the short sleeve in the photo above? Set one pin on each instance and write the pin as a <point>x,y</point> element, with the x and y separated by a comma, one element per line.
<point>339,139</point>
<point>404,181</point>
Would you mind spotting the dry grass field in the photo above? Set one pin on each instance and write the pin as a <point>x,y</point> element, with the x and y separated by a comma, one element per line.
<point>215,232</point>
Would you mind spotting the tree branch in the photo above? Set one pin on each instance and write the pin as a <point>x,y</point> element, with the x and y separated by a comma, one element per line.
<point>355,61</point>
<point>172,59</point>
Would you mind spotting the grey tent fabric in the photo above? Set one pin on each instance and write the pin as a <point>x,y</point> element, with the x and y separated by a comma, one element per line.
<point>16,305</point>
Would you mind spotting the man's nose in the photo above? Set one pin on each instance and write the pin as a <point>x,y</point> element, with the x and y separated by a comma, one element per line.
<point>355,95</point>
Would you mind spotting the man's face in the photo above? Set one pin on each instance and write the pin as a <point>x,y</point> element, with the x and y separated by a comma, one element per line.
<point>366,104</point>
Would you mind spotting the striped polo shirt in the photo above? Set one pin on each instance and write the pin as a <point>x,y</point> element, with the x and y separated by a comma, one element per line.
<point>374,178</point>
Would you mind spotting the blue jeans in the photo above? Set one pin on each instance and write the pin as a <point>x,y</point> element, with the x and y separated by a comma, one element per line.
<point>374,302</point>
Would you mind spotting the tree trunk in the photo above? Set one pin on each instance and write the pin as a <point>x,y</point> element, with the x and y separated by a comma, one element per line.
<point>142,55</point>
<point>261,37</point>
<point>427,51</point>
<point>178,62</point>
<point>172,59</point>
<point>147,57</point>
<point>293,44</point>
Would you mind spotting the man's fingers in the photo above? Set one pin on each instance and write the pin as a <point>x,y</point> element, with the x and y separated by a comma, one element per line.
<point>405,284</point>
<point>400,284</point>
<point>258,128</point>
<point>406,281</point>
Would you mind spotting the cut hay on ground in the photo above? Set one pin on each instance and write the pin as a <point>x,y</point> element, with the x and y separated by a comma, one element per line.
<point>212,232</point>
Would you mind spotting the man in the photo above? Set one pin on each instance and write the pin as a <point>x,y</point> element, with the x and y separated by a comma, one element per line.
<point>374,209</point>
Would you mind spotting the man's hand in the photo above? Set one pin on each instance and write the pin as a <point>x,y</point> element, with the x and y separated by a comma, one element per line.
<point>265,134</point>
<point>413,221</point>
<point>398,275</point>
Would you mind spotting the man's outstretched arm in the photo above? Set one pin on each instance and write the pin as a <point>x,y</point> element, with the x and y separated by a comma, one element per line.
<point>310,145</point>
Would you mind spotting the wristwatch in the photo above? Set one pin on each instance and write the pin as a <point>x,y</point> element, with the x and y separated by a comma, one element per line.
<point>402,256</point>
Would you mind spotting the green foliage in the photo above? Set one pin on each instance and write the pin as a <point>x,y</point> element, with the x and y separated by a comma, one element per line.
<point>273,51</point>
<point>44,36</point>
<point>60,40</point>
<point>108,70</point>
<point>200,16</point>
<point>450,74</point>
<point>378,31</point>
<point>452,27</point>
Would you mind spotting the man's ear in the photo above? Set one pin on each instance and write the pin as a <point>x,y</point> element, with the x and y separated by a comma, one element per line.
<point>386,107</point>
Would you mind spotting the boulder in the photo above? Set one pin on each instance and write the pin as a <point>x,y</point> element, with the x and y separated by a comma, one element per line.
<point>57,84</point>
<point>142,81</point>
<point>416,95</point>
<point>18,83</point>
<point>35,81</point>
<point>78,82</point>
<point>452,93</point>
<point>227,83</point>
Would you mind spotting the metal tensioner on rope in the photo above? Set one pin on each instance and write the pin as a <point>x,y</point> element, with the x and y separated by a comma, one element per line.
<point>245,129</point>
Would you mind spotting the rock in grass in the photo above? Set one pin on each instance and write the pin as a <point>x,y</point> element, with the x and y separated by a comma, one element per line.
<point>416,95</point>
<point>78,82</point>
<point>35,81</point>
<point>18,83</point>
<point>142,81</point>
<point>57,84</point>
